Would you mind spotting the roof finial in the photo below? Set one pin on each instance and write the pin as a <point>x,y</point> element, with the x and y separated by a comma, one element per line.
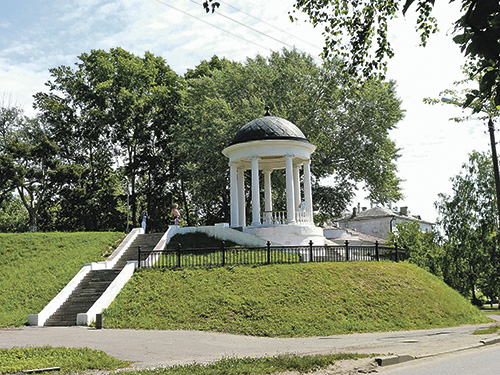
<point>267,111</point>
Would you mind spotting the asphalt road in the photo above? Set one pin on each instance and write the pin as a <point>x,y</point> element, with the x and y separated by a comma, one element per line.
<point>480,361</point>
<point>164,348</point>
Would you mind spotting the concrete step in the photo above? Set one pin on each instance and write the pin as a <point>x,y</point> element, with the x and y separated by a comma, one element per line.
<point>60,323</point>
<point>147,242</point>
<point>96,282</point>
<point>83,297</point>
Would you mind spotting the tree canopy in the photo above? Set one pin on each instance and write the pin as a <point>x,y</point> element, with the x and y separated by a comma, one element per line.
<point>469,222</point>
<point>118,129</point>
<point>349,125</point>
<point>113,116</point>
<point>366,23</point>
<point>356,32</point>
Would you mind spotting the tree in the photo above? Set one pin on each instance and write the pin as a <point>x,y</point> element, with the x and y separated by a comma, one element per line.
<point>423,248</point>
<point>10,122</point>
<point>349,123</point>
<point>116,108</point>
<point>13,215</point>
<point>356,32</point>
<point>468,219</point>
<point>39,174</point>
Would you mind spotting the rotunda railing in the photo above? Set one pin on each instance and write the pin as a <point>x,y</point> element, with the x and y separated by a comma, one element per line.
<point>273,218</point>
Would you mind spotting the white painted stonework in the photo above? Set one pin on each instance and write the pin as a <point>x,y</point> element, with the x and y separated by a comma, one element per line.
<point>290,225</point>
<point>289,235</point>
<point>40,318</point>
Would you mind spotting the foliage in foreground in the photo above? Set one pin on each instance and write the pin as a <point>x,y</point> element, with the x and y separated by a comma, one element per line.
<point>296,300</point>
<point>68,359</point>
<point>34,267</point>
<point>255,366</point>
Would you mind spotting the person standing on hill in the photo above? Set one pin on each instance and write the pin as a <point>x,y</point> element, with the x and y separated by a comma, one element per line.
<point>176,214</point>
<point>144,215</point>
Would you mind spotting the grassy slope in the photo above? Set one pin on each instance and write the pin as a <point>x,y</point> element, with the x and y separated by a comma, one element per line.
<point>68,359</point>
<point>291,300</point>
<point>196,241</point>
<point>34,267</point>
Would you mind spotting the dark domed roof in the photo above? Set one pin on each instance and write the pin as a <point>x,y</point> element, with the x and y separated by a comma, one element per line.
<point>268,127</point>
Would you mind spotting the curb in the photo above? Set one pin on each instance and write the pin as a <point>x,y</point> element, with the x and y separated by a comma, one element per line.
<point>494,340</point>
<point>395,359</point>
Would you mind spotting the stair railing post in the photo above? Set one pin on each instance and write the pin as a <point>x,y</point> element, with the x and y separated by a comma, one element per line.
<point>377,257</point>
<point>139,256</point>
<point>347,250</point>
<point>178,255</point>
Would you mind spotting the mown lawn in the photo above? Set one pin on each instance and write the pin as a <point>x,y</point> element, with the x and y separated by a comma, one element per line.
<point>67,359</point>
<point>309,299</point>
<point>34,267</point>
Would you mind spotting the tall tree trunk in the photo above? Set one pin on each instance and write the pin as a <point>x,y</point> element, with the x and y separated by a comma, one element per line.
<point>33,221</point>
<point>30,207</point>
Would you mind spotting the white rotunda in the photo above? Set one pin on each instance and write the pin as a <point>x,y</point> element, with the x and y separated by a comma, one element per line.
<point>266,144</point>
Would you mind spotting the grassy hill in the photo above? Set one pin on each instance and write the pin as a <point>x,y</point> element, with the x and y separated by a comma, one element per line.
<point>310,299</point>
<point>34,267</point>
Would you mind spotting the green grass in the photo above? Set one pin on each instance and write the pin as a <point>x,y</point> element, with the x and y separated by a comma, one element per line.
<point>68,359</point>
<point>254,366</point>
<point>487,331</point>
<point>490,311</point>
<point>196,240</point>
<point>232,256</point>
<point>298,300</point>
<point>207,253</point>
<point>84,359</point>
<point>34,267</point>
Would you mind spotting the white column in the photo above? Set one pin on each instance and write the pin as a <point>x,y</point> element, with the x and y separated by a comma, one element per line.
<point>296,185</point>
<point>268,203</point>
<point>241,198</point>
<point>290,196</point>
<point>255,191</point>
<point>234,195</point>
<point>308,189</point>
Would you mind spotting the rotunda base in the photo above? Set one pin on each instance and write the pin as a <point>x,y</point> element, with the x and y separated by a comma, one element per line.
<point>289,235</point>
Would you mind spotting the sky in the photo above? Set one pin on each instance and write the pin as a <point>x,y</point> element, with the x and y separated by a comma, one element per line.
<point>37,35</point>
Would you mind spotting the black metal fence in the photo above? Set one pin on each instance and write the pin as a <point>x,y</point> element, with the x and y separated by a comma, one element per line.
<point>224,256</point>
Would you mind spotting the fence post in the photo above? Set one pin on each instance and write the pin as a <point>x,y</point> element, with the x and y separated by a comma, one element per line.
<point>396,258</point>
<point>223,244</point>
<point>268,245</point>
<point>347,250</point>
<point>178,255</point>
<point>311,250</point>
<point>377,257</point>
<point>139,256</point>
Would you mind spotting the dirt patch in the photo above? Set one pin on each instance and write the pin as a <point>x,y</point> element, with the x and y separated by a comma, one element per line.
<point>345,367</point>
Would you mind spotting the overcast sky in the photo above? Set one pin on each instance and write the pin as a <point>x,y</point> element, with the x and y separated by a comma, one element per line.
<point>36,35</point>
